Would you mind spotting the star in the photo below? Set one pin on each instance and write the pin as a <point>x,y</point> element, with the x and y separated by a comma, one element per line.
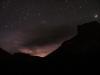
<point>26,15</point>
<point>80,6</point>
<point>66,1</point>
<point>39,14</point>
<point>96,16</point>
<point>6,26</point>
<point>3,7</point>
<point>43,21</point>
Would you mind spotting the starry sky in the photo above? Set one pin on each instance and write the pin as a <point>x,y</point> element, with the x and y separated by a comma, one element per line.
<point>29,22</point>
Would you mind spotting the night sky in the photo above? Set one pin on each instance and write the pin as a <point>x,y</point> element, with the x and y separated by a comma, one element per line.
<point>29,22</point>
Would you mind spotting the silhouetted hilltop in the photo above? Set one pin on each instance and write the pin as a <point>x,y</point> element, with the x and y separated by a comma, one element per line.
<point>75,55</point>
<point>3,53</point>
<point>86,33</point>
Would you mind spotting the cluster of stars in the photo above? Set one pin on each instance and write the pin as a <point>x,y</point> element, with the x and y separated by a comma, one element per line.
<point>57,14</point>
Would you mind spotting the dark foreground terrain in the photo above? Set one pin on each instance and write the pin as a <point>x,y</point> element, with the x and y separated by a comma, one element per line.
<point>79,55</point>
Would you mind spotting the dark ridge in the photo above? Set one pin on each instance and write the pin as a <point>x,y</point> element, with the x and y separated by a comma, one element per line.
<point>87,31</point>
<point>91,25</point>
<point>75,55</point>
<point>3,53</point>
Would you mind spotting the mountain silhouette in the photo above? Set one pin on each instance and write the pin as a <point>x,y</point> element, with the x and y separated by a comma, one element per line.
<point>79,54</point>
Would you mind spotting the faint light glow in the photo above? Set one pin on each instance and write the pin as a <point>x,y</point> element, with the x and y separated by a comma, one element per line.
<point>96,16</point>
<point>25,50</point>
<point>80,6</point>
<point>41,51</point>
<point>66,1</point>
<point>3,7</point>
<point>80,17</point>
<point>43,21</point>
<point>6,26</point>
<point>86,1</point>
<point>39,14</point>
<point>25,18</point>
